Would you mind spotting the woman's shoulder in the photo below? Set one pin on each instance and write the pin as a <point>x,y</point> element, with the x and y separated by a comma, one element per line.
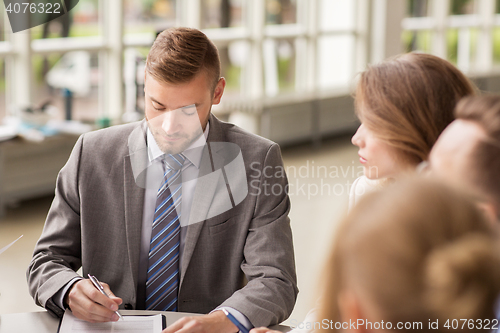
<point>361,186</point>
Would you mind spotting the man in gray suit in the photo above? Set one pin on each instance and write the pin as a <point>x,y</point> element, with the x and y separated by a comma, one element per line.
<point>211,233</point>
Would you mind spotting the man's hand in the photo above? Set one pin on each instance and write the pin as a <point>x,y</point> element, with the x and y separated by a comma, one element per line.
<point>87,303</point>
<point>215,322</point>
<point>263,330</point>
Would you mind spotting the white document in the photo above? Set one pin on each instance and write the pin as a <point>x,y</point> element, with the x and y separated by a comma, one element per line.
<point>136,324</point>
<point>5,248</point>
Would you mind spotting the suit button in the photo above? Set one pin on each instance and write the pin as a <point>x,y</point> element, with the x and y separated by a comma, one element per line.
<point>128,306</point>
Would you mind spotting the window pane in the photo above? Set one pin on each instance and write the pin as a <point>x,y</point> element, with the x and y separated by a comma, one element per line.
<point>135,64</point>
<point>78,71</point>
<point>2,23</point>
<point>496,45</point>
<point>286,65</point>
<point>281,11</point>
<point>336,61</point>
<point>2,89</point>
<point>462,46</point>
<point>2,65</point>
<point>222,13</point>
<point>417,40</point>
<point>418,8</point>
<point>233,58</point>
<point>279,66</point>
<point>82,21</point>
<point>149,15</point>
<point>337,14</point>
<point>462,7</point>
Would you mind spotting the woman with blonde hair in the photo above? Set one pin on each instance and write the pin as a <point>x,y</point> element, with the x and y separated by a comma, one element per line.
<point>414,256</point>
<point>415,252</point>
<point>403,103</point>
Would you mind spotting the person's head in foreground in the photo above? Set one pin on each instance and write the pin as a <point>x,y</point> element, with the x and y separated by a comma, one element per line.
<point>403,104</point>
<point>413,252</point>
<point>182,82</point>
<point>467,154</point>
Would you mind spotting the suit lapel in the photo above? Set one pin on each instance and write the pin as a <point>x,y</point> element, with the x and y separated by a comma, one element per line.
<point>134,195</point>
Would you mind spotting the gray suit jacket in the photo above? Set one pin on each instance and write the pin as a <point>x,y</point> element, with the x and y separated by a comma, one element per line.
<point>242,258</point>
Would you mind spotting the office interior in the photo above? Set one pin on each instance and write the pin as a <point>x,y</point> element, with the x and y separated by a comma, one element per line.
<point>290,67</point>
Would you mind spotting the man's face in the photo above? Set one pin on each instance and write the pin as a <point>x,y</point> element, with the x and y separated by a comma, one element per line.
<point>177,114</point>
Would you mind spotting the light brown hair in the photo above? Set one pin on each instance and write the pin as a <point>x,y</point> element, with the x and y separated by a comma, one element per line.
<point>485,160</point>
<point>418,251</point>
<point>179,54</point>
<point>408,100</point>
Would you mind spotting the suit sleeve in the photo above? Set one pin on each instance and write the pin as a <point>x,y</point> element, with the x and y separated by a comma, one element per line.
<point>269,263</point>
<point>57,254</point>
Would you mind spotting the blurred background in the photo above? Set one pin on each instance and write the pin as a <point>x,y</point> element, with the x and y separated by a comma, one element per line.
<point>290,67</point>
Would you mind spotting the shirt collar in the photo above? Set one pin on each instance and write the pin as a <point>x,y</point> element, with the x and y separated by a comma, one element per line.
<point>193,153</point>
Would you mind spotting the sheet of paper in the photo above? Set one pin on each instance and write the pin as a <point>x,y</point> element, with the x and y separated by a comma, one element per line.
<point>5,248</point>
<point>136,324</point>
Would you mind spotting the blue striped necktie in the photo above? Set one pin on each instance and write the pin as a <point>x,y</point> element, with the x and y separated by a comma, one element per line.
<point>162,282</point>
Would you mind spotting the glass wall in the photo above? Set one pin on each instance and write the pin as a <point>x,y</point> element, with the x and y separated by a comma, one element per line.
<point>496,36</point>
<point>301,46</point>
<point>2,64</point>
<point>82,20</point>
<point>336,47</point>
<point>418,40</point>
<point>75,75</point>
<point>222,13</point>
<point>466,32</point>
<point>148,15</point>
<point>281,11</point>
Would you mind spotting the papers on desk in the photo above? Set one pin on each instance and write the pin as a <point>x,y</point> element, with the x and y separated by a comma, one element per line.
<point>135,324</point>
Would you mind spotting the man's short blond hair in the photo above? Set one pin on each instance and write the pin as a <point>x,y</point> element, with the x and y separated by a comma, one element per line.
<point>180,54</point>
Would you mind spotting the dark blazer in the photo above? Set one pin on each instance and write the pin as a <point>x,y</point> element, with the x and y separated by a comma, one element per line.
<point>241,258</point>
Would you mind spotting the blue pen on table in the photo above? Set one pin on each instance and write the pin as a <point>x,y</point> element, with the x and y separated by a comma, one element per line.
<point>99,287</point>
<point>235,321</point>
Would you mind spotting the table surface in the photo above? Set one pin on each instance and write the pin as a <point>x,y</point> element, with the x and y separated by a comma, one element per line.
<point>43,322</point>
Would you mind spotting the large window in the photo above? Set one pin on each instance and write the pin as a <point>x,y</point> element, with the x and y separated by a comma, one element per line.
<point>143,16</point>
<point>466,32</point>
<point>222,13</point>
<point>281,11</point>
<point>67,74</point>
<point>3,50</point>
<point>267,48</point>
<point>336,45</point>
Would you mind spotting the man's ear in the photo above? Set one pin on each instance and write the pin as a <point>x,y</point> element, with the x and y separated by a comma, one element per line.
<point>350,310</point>
<point>219,90</point>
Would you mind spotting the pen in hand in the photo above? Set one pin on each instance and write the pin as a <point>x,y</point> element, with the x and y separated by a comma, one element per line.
<point>99,287</point>
<point>235,321</point>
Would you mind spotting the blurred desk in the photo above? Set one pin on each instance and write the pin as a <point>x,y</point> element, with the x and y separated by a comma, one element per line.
<point>29,169</point>
<point>42,322</point>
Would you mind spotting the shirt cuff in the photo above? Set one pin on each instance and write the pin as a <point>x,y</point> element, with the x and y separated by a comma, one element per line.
<point>58,297</point>
<point>238,315</point>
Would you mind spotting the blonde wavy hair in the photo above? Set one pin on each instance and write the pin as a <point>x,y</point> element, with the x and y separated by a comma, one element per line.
<point>420,252</point>
<point>408,100</point>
